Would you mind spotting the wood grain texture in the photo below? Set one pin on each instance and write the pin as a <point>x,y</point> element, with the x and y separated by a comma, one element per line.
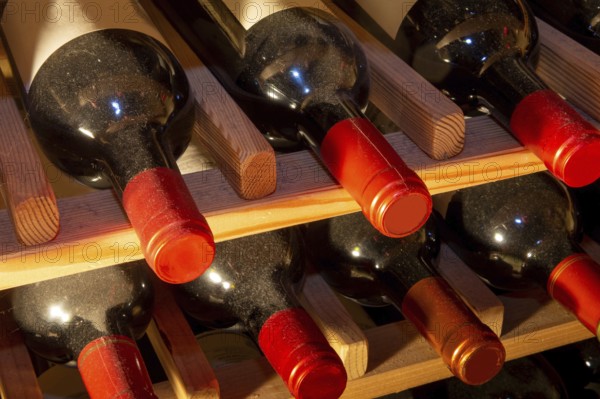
<point>420,110</point>
<point>336,324</point>
<point>241,152</point>
<point>478,297</point>
<point>399,358</point>
<point>27,192</point>
<point>570,69</point>
<point>17,376</point>
<point>186,366</point>
<point>95,232</point>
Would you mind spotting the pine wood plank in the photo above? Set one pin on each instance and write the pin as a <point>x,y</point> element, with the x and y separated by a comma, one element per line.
<point>336,324</point>
<point>17,376</point>
<point>240,150</point>
<point>399,358</point>
<point>478,297</point>
<point>570,69</point>
<point>95,232</point>
<point>27,192</point>
<point>428,117</point>
<point>189,372</point>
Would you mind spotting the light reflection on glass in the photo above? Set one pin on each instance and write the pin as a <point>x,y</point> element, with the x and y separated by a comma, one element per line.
<point>56,312</point>
<point>499,237</point>
<point>117,107</point>
<point>215,277</point>
<point>87,132</point>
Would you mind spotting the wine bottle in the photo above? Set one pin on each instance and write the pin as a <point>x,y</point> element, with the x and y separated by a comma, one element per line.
<point>578,19</point>
<point>109,104</point>
<point>252,281</point>
<point>523,232</point>
<point>482,54</point>
<point>303,78</point>
<point>91,319</point>
<point>376,270</point>
<point>579,366</point>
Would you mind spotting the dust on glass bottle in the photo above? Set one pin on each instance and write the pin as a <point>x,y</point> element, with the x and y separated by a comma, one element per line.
<point>482,54</point>
<point>91,320</point>
<point>375,270</point>
<point>252,283</point>
<point>522,233</point>
<point>301,76</point>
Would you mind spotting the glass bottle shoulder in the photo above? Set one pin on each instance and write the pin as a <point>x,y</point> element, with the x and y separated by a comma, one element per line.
<point>108,89</point>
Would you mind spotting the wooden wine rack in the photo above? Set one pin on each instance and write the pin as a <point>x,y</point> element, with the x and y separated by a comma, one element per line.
<point>380,360</point>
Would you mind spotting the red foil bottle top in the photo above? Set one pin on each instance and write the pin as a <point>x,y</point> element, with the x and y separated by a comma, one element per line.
<point>112,367</point>
<point>175,238</point>
<point>568,145</point>
<point>471,350</point>
<point>300,354</point>
<point>392,196</point>
<point>575,284</point>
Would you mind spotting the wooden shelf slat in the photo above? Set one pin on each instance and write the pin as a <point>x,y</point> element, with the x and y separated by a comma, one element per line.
<point>17,377</point>
<point>95,232</point>
<point>221,126</point>
<point>399,358</point>
<point>184,362</point>
<point>427,116</point>
<point>27,192</point>
<point>336,324</point>
<point>570,69</point>
<point>477,296</point>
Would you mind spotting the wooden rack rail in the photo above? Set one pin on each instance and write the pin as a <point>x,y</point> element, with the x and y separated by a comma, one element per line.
<point>380,360</point>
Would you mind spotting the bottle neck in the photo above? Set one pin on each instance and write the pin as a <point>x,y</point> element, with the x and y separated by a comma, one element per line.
<point>471,349</point>
<point>575,284</point>
<point>133,151</point>
<point>300,354</point>
<point>112,367</point>
<point>395,282</point>
<point>506,82</point>
<point>323,115</point>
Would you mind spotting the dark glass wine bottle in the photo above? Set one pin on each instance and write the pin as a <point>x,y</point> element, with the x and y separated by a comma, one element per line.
<point>252,281</point>
<point>523,232</point>
<point>483,53</point>
<point>303,79</point>
<point>93,319</point>
<point>376,270</point>
<point>578,19</point>
<point>579,366</point>
<point>109,104</point>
